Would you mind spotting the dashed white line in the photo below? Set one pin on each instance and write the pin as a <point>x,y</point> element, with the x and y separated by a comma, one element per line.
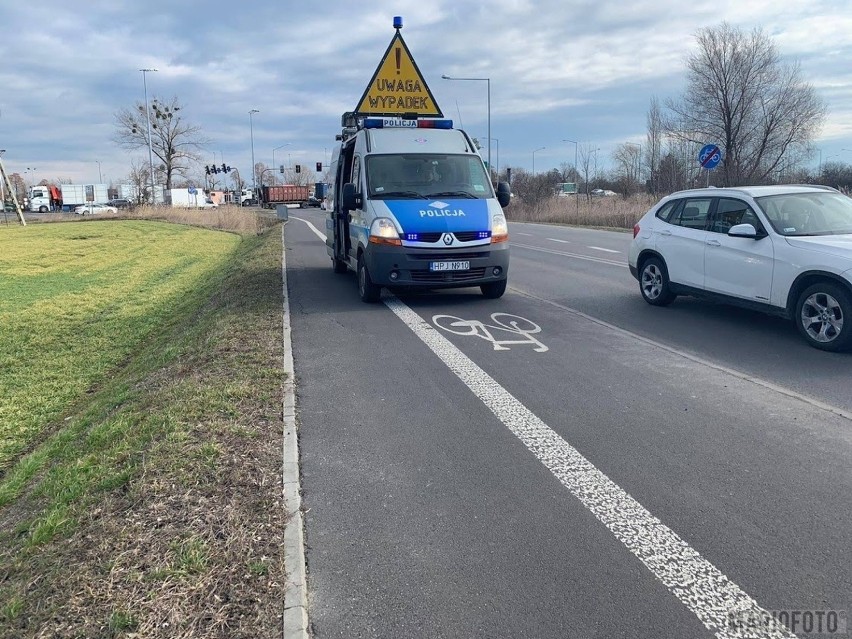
<point>553,239</point>
<point>590,258</point>
<point>519,233</point>
<point>599,248</point>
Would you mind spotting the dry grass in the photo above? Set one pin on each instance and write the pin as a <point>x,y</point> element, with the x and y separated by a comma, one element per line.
<point>185,539</point>
<point>608,212</point>
<point>237,219</point>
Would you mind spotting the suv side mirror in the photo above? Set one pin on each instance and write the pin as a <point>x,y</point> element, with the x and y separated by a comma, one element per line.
<point>504,194</point>
<point>351,199</point>
<point>743,230</point>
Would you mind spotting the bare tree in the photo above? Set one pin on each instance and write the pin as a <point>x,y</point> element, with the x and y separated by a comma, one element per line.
<point>175,142</point>
<point>654,142</point>
<point>588,164</point>
<point>140,180</point>
<point>627,160</point>
<point>238,181</point>
<point>740,96</point>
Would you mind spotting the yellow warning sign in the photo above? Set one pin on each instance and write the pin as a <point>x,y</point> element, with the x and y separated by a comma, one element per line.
<point>397,87</point>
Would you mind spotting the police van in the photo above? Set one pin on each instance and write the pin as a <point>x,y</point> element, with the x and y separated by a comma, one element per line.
<point>411,205</point>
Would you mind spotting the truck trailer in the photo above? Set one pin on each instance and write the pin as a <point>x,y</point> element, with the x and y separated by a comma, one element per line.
<point>285,194</point>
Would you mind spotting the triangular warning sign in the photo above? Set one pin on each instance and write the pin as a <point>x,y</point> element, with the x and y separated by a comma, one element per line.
<point>397,87</point>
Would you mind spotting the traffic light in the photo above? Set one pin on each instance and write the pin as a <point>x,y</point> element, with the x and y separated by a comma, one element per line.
<point>298,168</point>
<point>207,169</point>
<point>224,168</point>
<point>319,167</point>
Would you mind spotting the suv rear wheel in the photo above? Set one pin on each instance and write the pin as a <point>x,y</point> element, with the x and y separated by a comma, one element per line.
<point>824,317</point>
<point>654,283</point>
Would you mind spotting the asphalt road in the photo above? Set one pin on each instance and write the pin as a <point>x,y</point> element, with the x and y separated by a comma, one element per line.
<point>587,468</point>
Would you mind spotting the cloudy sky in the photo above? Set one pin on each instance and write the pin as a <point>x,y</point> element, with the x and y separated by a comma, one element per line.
<point>559,69</point>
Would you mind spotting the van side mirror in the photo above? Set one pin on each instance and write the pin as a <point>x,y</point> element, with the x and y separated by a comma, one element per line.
<point>351,198</point>
<point>743,230</point>
<point>504,194</point>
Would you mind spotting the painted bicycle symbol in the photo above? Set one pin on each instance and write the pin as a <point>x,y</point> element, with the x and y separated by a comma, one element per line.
<point>503,322</point>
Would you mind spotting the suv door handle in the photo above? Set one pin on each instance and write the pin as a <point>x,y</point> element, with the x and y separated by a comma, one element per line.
<point>665,232</point>
<point>714,243</point>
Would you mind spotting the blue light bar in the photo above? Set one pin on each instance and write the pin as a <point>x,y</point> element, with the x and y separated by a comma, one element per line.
<point>402,123</point>
<point>435,124</point>
<point>412,237</point>
<point>481,235</point>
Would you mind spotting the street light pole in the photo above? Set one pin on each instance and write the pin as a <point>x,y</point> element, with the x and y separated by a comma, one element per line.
<point>488,81</point>
<point>100,176</point>
<point>255,194</point>
<point>273,153</point>
<point>150,142</point>
<point>533,154</point>
<point>577,173</point>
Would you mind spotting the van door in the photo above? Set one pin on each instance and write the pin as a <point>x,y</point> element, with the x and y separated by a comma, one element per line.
<point>342,243</point>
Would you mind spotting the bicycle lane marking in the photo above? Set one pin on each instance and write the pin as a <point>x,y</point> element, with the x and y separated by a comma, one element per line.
<point>697,583</point>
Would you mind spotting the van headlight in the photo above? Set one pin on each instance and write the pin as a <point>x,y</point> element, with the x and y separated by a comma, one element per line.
<point>499,228</point>
<point>383,231</point>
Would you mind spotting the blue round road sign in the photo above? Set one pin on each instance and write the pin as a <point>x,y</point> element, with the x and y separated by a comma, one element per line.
<point>709,156</point>
<point>192,190</point>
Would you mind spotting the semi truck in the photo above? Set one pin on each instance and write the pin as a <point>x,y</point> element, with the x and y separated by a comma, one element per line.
<point>49,197</point>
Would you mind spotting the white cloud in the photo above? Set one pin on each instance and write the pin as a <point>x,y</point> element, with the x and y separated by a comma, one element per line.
<point>587,67</point>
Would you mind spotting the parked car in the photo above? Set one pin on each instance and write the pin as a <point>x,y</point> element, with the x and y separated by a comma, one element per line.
<point>89,209</point>
<point>785,250</point>
<point>602,193</point>
<point>121,203</point>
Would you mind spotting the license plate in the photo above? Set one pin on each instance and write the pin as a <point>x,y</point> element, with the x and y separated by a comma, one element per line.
<point>449,266</point>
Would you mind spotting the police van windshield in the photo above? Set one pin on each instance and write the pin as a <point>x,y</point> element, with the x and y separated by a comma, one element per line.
<point>425,176</point>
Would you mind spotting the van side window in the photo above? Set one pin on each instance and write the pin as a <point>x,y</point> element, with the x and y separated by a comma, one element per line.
<point>356,173</point>
<point>730,212</point>
<point>693,214</point>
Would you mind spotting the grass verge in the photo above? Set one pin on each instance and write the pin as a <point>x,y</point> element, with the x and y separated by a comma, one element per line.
<point>148,502</point>
<point>600,212</point>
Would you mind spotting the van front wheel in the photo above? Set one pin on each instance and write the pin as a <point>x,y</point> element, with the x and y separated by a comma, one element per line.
<point>494,290</point>
<point>369,292</point>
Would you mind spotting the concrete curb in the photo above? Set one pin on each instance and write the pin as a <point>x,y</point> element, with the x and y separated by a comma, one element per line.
<point>296,622</point>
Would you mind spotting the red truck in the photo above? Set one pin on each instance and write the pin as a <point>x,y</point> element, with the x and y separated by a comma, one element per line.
<point>286,194</point>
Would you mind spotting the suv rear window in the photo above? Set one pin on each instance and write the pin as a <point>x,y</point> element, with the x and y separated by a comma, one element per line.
<point>665,211</point>
<point>693,213</point>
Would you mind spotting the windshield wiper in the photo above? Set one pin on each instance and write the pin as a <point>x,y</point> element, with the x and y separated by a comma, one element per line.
<point>408,195</point>
<point>454,194</point>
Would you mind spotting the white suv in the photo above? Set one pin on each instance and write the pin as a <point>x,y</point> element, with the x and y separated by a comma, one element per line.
<point>785,250</point>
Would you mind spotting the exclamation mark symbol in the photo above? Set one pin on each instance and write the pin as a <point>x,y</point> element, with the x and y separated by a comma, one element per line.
<point>398,58</point>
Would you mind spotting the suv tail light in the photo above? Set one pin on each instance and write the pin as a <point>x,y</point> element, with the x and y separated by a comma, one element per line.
<point>635,230</point>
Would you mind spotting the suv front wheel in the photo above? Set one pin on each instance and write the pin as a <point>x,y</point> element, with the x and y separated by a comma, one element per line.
<point>824,317</point>
<point>654,283</point>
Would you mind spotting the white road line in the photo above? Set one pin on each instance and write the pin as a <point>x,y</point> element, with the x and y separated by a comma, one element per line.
<point>553,239</point>
<point>590,258</point>
<point>316,231</point>
<point>527,234</point>
<point>697,583</point>
<point>598,248</point>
